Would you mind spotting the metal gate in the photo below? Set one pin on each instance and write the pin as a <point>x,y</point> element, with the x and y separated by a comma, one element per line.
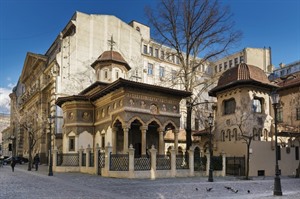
<point>101,161</point>
<point>235,166</point>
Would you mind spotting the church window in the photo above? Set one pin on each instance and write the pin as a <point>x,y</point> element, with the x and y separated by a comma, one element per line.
<point>228,135</point>
<point>229,106</point>
<point>72,143</point>
<point>223,136</point>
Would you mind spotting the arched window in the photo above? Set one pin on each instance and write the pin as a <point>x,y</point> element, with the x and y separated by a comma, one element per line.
<point>105,74</point>
<point>257,105</point>
<point>229,134</point>
<point>223,136</point>
<point>235,134</point>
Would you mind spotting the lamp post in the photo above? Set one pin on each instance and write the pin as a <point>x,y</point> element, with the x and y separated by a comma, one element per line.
<point>277,184</point>
<point>210,175</point>
<point>50,173</point>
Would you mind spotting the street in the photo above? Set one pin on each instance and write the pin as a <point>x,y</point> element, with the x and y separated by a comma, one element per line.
<point>22,184</point>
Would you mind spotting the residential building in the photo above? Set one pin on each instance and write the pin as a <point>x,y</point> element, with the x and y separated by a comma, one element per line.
<point>285,70</point>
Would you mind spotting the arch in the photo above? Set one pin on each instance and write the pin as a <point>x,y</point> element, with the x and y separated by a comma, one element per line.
<point>154,120</point>
<point>118,119</point>
<point>136,118</point>
<point>223,136</point>
<point>228,134</point>
<point>180,151</point>
<point>170,124</point>
<point>235,134</point>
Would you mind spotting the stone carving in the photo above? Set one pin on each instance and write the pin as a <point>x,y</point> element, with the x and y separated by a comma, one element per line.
<point>153,109</point>
<point>86,116</point>
<point>143,104</point>
<point>71,116</point>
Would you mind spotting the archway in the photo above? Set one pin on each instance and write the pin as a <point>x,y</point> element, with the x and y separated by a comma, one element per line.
<point>152,136</point>
<point>135,137</point>
<point>119,136</point>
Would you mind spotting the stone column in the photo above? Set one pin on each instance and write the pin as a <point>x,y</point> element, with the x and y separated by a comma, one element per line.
<point>108,150</point>
<point>176,140</point>
<point>153,152</point>
<point>144,141</point>
<point>161,146</point>
<point>173,161</point>
<point>131,161</point>
<point>54,158</point>
<point>207,163</point>
<point>191,162</point>
<point>223,164</point>
<point>88,156</point>
<point>125,141</point>
<point>114,140</point>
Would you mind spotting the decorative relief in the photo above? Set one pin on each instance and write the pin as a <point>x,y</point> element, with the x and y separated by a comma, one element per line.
<point>71,116</point>
<point>115,105</point>
<point>98,114</point>
<point>143,104</point>
<point>174,109</point>
<point>153,109</point>
<point>86,116</point>
<point>164,107</point>
<point>131,102</point>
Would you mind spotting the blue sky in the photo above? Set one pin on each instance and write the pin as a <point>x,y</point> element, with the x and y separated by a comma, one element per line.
<point>32,26</point>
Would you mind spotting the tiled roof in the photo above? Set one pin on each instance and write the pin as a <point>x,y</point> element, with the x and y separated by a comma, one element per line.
<point>288,81</point>
<point>242,74</point>
<point>111,56</point>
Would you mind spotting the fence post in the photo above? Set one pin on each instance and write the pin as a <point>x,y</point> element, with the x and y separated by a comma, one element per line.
<point>131,161</point>
<point>88,156</point>
<point>108,150</point>
<point>54,155</point>
<point>96,158</point>
<point>223,164</point>
<point>153,152</point>
<point>80,156</point>
<point>173,161</point>
<point>191,162</point>
<point>207,163</point>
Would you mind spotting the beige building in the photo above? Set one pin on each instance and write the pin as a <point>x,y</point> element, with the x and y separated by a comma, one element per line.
<point>244,112</point>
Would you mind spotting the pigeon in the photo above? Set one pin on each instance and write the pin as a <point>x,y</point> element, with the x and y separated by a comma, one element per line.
<point>235,191</point>
<point>248,191</point>
<point>209,189</point>
<point>228,187</point>
<point>196,189</point>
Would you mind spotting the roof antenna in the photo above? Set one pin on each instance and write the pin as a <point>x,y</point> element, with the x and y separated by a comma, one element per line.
<point>111,42</point>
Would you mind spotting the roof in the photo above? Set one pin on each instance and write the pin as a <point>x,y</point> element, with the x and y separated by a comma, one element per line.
<point>288,81</point>
<point>243,74</point>
<point>120,83</point>
<point>111,57</point>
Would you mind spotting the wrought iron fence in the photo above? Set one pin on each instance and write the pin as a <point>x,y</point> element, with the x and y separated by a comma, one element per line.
<point>67,159</point>
<point>119,162</point>
<point>83,160</point>
<point>91,161</point>
<point>142,163</point>
<point>101,161</point>
<point>180,162</point>
<point>163,162</point>
<point>217,163</point>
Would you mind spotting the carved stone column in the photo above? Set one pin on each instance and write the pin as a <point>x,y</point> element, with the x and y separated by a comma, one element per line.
<point>176,140</point>
<point>144,141</point>
<point>161,147</point>
<point>125,141</point>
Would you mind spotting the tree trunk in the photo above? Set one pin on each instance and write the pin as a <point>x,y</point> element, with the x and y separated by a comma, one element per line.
<point>30,155</point>
<point>248,158</point>
<point>188,131</point>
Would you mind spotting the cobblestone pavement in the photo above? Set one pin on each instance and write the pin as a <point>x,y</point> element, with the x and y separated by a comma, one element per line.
<point>23,184</point>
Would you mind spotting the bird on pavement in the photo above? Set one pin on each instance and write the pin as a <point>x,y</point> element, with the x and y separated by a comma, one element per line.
<point>228,187</point>
<point>209,189</point>
<point>235,191</point>
<point>248,191</point>
<point>196,189</point>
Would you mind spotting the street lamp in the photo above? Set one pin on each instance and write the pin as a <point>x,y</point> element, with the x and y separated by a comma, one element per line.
<point>277,184</point>
<point>210,122</point>
<point>50,173</point>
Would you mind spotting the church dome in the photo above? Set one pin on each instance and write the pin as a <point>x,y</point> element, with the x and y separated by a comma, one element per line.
<point>111,57</point>
<point>242,74</point>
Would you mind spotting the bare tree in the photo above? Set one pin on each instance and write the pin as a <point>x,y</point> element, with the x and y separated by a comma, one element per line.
<point>194,28</point>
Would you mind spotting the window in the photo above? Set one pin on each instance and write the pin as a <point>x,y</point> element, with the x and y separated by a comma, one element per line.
<point>225,65</point>
<point>150,69</point>
<point>117,74</point>
<point>173,73</point>
<point>161,71</point>
<point>223,136</point>
<point>236,61</point>
<point>228,135</point>
<point>229,106</point>
<point>72,143</point>
<point>242,59</point>
<point>151,51</point>
<point>145,49</point>
<point>297,113</point>
<point>235,134</point>
<point>220,67</point>
<point>177,60</point>
<point>162,54</point>
<point>282,73</point>
<point>156,53</point>
<point>216,69</point>
<point>105,74</point>
<point>257,105</point>
<point>230,63</point>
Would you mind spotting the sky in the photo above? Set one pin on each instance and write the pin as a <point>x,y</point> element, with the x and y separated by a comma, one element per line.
<point>33,25</point>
